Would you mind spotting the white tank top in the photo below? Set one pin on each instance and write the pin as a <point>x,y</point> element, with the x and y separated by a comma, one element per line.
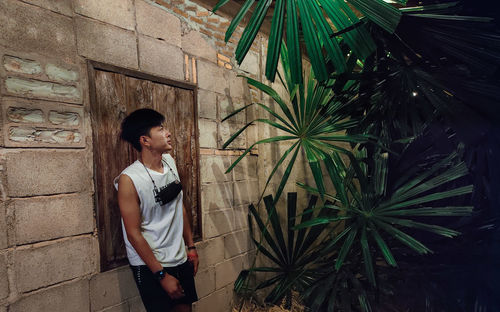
<point>161,226</point>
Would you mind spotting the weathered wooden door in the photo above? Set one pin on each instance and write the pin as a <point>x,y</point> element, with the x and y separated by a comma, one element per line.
<point>113,96</point>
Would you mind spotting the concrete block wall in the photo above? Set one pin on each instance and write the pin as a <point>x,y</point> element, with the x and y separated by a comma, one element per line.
<point>49,254</point>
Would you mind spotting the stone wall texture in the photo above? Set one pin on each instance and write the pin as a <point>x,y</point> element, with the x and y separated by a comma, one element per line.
<point>49,247</point>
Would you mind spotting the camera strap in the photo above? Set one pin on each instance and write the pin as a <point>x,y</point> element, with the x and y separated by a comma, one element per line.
<point>177,180</point>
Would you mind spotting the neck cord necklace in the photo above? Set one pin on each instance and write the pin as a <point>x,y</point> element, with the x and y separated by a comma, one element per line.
<point>154,184</point>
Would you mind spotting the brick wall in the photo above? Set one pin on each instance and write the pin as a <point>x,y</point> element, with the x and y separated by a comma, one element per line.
<point>49,255</point>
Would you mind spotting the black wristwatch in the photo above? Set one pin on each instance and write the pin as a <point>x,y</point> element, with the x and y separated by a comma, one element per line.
<point>159,275</point>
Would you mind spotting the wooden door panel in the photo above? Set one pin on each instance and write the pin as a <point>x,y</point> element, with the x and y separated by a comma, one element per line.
<point>116,96</point>
<point>164,101</point>
<point>186,144</point>
<point>108,111</point>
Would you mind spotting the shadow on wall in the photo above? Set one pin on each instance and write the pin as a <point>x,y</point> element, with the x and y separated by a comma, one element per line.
<point>115,288</point>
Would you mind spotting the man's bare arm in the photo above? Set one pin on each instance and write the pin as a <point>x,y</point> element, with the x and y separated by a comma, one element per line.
<point>188,239</point>
<point>128,200</point>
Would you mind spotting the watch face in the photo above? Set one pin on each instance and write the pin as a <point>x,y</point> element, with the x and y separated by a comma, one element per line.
<point>159,275</point>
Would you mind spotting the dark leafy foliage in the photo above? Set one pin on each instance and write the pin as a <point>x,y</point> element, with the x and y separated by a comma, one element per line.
<point>314,124</point>
<point>423,88</point>
<point>291,252</point>
<point>312,21</point>
<point>451,62</point>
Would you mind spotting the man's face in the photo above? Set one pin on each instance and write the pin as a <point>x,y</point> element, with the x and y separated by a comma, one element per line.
<point>159,139</point>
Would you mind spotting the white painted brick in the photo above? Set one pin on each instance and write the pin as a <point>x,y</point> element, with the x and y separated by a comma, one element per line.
<point>72,297</point>
<point>252,135</point>
<point>116,12</point>
<point>246,169</point>
<point>155,22</point>
<point>53,262</point>
<point>227,271</point>
<point>241,217</point>
<point>105,43</point>
<point>210,252</point>
<point>213,168</point>
<point>226,130</point>
<point>205,282</point>
<point>237,86</point>
<point>217,223</point>
<point>246,192</point>
<point>161,58</point>
<point>207,133</point>
<point>280,89</point>
<point>43,218</point>
<point>216,196</point>
<point>136,305</point>
<point>237,243</point>
<point>218,301</point>
<point>111,288</point>
<point>228,105</point>
<point>248,259</point>
<point>207,104</point>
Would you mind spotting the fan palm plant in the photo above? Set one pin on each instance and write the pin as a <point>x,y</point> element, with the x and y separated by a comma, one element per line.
<point>376,215</point>
<point>314,124</point>
<point>437,66</point>
<point>292,253</point>
<point>335,290</point>
<point>461,274</point>
<point>316,19</point>
<point>441,68</point>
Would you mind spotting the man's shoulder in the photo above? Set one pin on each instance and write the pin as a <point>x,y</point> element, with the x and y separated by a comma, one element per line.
<point>133,167</point>
<point>132,171</point>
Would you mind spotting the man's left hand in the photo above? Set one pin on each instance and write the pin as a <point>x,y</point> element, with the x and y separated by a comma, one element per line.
<point>193,258</point>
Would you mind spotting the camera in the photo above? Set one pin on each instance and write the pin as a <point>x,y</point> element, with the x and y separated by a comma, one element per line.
<point>167,193</point>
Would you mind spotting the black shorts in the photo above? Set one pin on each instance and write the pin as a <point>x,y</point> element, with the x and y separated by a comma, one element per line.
<point>154,297</point>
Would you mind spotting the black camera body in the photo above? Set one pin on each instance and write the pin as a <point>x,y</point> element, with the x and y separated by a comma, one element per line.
<point>167,193</point>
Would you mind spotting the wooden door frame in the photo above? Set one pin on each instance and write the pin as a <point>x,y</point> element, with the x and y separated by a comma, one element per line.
<point>92,66</point>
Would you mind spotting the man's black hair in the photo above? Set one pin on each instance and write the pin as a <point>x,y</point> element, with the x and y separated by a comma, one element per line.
<point>139,123</point>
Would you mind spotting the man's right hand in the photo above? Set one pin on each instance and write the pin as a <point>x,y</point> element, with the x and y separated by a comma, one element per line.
<point>172,287</point>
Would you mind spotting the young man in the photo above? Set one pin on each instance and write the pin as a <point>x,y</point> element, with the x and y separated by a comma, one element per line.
<point>154,221</point>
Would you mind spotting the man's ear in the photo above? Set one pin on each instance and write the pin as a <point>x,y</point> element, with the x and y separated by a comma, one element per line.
<point>144,140</point>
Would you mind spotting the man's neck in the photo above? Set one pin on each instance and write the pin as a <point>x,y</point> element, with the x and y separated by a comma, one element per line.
<point>152,160</point>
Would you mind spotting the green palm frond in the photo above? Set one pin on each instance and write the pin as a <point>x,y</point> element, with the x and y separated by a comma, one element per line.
<point>375,214</point>
<point>291,254</point>
<point>323,24</point>
<point>337,290</point>
<point>312,121</point>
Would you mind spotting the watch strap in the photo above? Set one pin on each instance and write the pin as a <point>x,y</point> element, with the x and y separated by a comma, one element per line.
<point>159,275</point>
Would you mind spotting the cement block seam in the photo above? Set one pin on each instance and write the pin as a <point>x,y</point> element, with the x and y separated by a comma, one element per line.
<point>26,256</point>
